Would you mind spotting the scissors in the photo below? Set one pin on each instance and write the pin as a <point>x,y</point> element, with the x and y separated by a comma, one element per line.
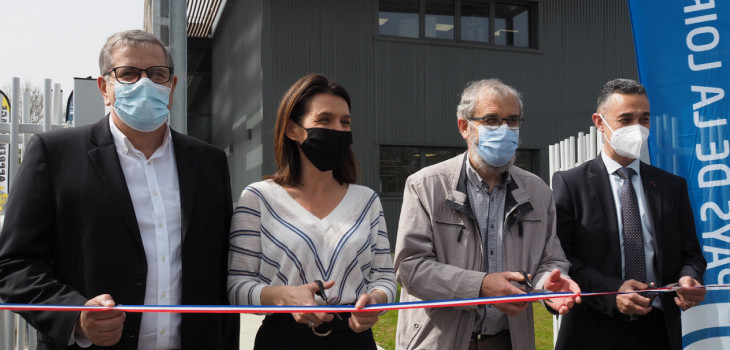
<point>320,292</point>
<point>669,288</point>
<point>529,288</point>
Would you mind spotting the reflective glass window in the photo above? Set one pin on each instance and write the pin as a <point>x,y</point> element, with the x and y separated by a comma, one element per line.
<point>512,25</point>
<point>475,21</point>
<point>439,19</point>
<point>399,18</point>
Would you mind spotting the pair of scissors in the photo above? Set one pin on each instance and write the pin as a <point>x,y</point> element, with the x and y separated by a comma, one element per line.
<point>529,288</point>
<point>320,292</point>
<point>669,288</point>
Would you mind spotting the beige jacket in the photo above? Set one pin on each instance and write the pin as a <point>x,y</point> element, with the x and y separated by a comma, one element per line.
<point>438,253</point>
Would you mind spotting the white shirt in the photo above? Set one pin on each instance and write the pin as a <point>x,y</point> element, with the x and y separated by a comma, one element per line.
<point>155,191</point>
<point>646,225</point>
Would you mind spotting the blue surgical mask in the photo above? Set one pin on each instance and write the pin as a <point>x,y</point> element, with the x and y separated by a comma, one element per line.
<point>496,146</point>
<point>142,105</point>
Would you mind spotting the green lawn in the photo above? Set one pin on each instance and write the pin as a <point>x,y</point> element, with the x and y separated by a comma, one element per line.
<point>384,330</point>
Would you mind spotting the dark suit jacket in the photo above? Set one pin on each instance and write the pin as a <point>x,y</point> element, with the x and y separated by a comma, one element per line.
<point>587,225</point>
<point>70,234</point>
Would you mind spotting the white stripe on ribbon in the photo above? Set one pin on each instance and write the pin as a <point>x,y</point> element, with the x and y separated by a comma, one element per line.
<point>330,308</point>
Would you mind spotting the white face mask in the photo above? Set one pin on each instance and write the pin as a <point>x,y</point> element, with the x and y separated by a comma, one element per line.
<point>627,141</point>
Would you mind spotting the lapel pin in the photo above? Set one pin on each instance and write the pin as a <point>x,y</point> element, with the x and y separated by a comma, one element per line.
<point>652,183</point>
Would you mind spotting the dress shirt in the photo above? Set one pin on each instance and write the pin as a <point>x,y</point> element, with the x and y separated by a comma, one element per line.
<point>647,228</point>
<point>489,211</point>
<point>155,191</point>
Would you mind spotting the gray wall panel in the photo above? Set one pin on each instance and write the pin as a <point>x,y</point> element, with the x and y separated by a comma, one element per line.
<point>237,91</point>
<point>405,92</point>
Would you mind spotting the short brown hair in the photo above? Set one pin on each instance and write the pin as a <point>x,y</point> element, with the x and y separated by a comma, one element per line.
<point>294,105</point>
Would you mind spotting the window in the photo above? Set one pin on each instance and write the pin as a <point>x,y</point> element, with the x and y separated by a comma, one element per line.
<point>439,19</point>
<point>399,18</point>
<point>511,25</point>
<point>490,22</point>
<point>398,162</point>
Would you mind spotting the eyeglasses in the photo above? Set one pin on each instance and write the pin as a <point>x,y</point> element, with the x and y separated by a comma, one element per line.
<point>130,75</point>
<point>493,123</point>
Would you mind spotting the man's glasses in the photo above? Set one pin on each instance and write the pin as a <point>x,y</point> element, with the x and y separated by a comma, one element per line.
<point>493,123</point>
<point>130,75</point>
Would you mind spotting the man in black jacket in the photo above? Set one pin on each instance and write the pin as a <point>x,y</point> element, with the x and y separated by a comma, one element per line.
<point>126,211</point>
<point>625,225</point>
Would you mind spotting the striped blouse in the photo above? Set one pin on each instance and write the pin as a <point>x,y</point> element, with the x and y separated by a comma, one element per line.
<point>275,241</point>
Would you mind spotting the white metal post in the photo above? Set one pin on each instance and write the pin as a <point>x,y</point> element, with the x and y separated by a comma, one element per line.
<point>571,152</point>
<point>581,148</point>
<point>7,328</point>
<point>47,100</point>
<point>22,331</point>
<point>57,104</point>
<point>13,152</point>
<point>26,120</point>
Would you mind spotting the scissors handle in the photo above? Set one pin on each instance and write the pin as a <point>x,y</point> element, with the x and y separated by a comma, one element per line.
<point>321,293</point>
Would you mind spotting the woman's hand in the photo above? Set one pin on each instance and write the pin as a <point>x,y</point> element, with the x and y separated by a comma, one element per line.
<point>297,296</point>
<point>362,321</point>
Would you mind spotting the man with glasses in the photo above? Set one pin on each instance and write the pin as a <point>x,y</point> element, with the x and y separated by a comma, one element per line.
<point>478,226</point>
<point>126,211</point>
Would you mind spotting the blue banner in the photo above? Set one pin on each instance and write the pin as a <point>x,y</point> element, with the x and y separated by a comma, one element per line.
<point>683,52</point>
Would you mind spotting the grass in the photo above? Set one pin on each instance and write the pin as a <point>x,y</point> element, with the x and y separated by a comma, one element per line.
<point>384,329</point>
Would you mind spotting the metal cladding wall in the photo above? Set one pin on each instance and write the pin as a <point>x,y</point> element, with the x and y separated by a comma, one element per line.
<point>237,87</point>
<point>405,91</point>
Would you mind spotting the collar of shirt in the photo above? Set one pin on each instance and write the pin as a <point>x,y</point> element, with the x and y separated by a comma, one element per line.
<point>612,165</point>
<point>476,180</point>
<point>126,147</point>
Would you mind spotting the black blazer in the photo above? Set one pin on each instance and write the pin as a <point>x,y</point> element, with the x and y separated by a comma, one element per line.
<point>70,234</point>
<point>587,226</point>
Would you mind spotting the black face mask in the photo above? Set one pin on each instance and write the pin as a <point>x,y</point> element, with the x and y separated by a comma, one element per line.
<point>326,148</point>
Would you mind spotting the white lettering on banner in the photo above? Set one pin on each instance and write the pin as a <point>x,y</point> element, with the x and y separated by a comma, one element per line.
<point>713,169</point>
<point>716,208</point>
<point>715,253</point>
<point>721,276</point>
<point>701,40</point>
<point>713,155</point>
<point>699,33</point>
<point>715,94</point>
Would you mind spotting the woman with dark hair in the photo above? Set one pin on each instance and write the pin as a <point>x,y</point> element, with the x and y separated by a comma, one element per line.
<point>308,235</point>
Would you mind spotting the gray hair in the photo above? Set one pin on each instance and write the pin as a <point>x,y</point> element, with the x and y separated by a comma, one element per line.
<point>619,86</point>
<point>473,92</point>
<point>127,38</point>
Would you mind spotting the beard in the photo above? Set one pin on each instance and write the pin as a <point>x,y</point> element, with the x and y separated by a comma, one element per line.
<point>479,163</point>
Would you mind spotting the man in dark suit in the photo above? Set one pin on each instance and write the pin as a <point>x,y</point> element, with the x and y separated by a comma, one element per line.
<point>626,225</point>
<point>126,211</point>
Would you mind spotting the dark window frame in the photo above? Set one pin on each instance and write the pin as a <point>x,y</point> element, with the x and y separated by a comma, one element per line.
<point>422,162</point>
<point>527,159</point>
<point>534,23</point>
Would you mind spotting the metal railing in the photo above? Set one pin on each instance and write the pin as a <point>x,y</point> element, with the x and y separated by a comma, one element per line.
<point>15,333</point>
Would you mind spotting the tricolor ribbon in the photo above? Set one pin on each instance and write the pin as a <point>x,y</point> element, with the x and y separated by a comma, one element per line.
<point>265,309</point>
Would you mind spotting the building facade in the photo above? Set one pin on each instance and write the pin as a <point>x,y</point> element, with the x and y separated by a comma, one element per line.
<point>405,64</point>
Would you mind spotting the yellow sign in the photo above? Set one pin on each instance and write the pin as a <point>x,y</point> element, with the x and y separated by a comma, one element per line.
<point>4,118</point>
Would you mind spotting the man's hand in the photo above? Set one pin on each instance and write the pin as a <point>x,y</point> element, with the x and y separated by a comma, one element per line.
<point>103,328</point>
<point>498,284</point>
<point>632,303</point>
<point>687,294</point>
<point>555,282</point>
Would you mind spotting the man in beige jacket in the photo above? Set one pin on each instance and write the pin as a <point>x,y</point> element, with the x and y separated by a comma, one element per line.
<point>468,226</point>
